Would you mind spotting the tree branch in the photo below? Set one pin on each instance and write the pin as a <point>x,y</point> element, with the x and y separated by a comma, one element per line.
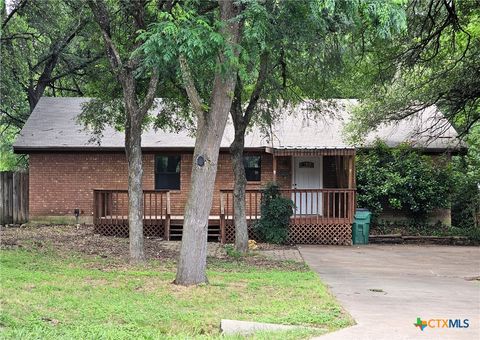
<point>58,46</point>
<point>101,17</point>
<point>75,68</point>
<point>12,13</point>
<point>37,90</point>
<point>150,96</point>
<point>189,84</point>
<point>236,108</point>
<point>66,89</point>
<point>18,120</point>
<point>255,96</point>
<point>23,35</point>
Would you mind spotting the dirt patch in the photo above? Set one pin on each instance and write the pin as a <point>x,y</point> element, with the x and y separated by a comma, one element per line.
<point>67,240</point>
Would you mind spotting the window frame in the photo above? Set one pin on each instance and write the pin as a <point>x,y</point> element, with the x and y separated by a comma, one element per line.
<point>157,173</point>
<point>254,168</point>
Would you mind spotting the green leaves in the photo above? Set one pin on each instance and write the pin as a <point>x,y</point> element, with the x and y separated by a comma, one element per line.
<point>48,48</point>
<point>401,178</point>
<point>183,31</point>
<point>98,114</point>
<point>433,61</point>
<point>275,215</point>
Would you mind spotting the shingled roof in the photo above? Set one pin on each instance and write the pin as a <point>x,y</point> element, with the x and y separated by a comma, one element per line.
<point>53,126</point>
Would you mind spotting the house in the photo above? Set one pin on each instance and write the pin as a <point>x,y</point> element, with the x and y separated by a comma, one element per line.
<point>303,152</point>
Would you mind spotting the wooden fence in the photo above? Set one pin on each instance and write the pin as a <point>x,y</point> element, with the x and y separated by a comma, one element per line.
<point>13,197</point>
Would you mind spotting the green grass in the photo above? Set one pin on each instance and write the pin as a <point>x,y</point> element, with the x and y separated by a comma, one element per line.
<point>45,296</point>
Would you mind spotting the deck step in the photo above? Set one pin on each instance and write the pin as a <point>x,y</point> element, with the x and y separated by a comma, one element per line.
<point>213,233</point>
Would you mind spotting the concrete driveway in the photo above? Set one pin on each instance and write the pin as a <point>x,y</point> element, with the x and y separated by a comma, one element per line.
<point>385,288</point>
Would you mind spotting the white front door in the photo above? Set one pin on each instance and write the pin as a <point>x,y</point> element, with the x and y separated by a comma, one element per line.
<point>308,175</point>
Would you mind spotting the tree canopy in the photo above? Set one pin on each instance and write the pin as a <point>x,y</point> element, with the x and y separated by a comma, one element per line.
<point>434,62</point>
<point>43,52</point>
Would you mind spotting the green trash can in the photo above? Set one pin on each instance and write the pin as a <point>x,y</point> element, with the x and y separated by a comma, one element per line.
<point>361,226</point>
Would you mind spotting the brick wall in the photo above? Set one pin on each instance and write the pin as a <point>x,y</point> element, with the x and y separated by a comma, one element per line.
<point>61,182</point>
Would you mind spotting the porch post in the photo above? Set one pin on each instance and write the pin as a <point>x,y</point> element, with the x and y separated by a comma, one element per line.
<point>167,218</point>
<point>351,185</point>
<point>222,218</point>
<point>350,172</point>
<point>274,168</point>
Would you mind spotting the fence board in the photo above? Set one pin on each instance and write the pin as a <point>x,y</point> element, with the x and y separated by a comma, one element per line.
<point>13,197</point>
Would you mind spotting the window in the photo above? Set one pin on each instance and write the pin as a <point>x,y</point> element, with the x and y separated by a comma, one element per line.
<point>167,172</point>
<point>306,164</point>
<point>252,167</point>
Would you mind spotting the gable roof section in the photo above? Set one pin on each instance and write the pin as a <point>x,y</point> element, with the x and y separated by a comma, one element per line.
<point>53,126</point>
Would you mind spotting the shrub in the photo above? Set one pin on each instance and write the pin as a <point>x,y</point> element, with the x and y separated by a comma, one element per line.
<point>276,211</point>
<point>402,179</point>
<point>232,252</point>
<point>466,193</point>
<point>409,227</point>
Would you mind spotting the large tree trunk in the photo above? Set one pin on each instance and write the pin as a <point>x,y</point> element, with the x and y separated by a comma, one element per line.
<point>193,253</point>
<point>240,183</point>
<point>192,264</point>
<point>133,141</point>
<point>136,110</point>
<point>241,121</point>
<point>133,151</point>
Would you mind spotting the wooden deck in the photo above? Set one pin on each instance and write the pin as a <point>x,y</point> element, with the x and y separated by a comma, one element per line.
<point>320,215</point>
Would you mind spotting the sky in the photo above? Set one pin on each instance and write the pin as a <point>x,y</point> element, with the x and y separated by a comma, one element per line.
<point>8,4</point>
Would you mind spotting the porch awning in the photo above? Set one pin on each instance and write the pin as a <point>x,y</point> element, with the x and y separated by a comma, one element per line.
<point>310,151</point>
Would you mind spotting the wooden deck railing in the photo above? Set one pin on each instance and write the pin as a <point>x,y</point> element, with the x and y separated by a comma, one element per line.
<point>311,205</point>
<point>110,207</point>
<point>322,205</point>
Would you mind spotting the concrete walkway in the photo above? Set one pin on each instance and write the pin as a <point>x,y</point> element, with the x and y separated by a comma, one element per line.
<point>385,288</point>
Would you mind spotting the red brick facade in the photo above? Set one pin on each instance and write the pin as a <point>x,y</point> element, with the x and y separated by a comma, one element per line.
<point>61,182</point>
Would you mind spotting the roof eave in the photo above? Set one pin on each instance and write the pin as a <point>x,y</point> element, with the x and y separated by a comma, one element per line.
<point>38,149</point>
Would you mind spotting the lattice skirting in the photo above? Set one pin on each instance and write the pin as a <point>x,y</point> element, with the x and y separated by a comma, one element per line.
<point>121,230</point>
<point>337,234</point>
<point>230,232</point>
<point>334,234</point>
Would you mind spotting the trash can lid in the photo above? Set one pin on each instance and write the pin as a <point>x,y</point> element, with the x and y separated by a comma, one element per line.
<point>361,214</point>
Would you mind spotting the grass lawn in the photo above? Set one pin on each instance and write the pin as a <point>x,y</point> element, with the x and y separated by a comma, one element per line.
<point>47,294</point>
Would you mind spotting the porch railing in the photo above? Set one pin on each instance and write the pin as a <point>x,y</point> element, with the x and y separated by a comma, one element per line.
<point>110,207</point>
<point>310,205</point>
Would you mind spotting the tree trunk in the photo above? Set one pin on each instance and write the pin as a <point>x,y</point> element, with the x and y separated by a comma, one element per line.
<point>240,122</point>
<point>133,142</point>
<point>192,264</point>
<point>135,114</point>
<point>193,253</point>
<point>240,183</point>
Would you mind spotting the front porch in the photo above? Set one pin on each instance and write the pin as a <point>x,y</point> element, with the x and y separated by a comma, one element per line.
<point>320,182</point>
<point>322,216</point>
